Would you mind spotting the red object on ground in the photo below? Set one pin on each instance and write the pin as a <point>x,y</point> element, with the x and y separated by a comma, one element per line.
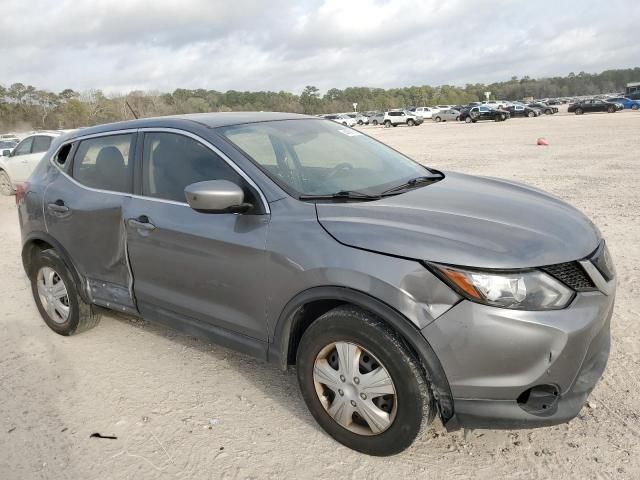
<point>542,141</point>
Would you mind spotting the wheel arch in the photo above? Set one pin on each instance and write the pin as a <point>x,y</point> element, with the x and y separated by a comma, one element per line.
<point>36,242</point>
<point>310,304</point>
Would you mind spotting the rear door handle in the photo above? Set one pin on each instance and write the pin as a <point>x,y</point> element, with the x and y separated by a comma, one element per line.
<point>142,222</point>
<point>58,206</point>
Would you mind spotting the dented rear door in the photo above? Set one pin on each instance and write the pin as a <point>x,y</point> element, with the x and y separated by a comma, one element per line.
<point>83,208</point>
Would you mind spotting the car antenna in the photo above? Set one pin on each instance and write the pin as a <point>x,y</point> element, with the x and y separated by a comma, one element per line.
<point>133,112</point>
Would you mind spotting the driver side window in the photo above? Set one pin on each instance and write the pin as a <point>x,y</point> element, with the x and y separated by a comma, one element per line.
<point>171,162</point>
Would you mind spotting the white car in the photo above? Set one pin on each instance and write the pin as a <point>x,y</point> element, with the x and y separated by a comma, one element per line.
<point>341,118</point>
<point>358,117</point>
<point>17,165</point>
<point>496,104</point>
<point>425,112</point>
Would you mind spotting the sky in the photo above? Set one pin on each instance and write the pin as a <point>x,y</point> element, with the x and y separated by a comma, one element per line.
<point>160,45</point>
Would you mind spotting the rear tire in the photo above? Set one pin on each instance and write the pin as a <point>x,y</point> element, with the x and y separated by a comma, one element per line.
<point>579,111</point>
<point>410,123</point>
<point>634,107</point>
<point>80,316</point>
<point>350,333</point>
<point>387,123</point>
<point>375,123</point>
<point>467,120</point>
<point>6,187</point>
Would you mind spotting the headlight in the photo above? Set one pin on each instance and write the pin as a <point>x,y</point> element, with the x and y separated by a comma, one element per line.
<point>520,290</point>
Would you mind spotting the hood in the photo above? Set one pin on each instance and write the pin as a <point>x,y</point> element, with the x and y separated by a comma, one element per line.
<point>467,221</point>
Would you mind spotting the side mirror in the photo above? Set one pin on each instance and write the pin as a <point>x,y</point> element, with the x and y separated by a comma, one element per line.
<point>6,153</point>
<point>216,196</point>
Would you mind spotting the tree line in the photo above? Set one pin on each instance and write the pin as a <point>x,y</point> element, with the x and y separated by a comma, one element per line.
<point>26,107</point>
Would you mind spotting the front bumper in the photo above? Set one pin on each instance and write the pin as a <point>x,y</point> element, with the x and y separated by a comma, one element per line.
<point>492,357</point>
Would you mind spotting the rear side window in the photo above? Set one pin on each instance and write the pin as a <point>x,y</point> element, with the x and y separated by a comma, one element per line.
<point>172,162</point>
<point>24,147</point>
<point>105,163</point>
<point>40,144</point>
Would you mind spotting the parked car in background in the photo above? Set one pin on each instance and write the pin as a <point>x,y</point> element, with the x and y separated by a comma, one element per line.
<point>393,118</point>
<point>425,112</point>
<point>593,105</point>
<point>400,293</point>
<point>10,137</point>
<point>360,118</point>
<point>518,110</point>
<point>7,146</point>
<point>341,118</point>
<point>482,112</point>
<point>546,109</point>
<point>626,102</point>
<point>495,104</point>
<point>17,165</point>
<point>376,118</point>
<point>447,114</point>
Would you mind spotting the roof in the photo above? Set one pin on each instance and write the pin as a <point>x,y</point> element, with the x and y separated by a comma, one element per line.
<point>209,120</point>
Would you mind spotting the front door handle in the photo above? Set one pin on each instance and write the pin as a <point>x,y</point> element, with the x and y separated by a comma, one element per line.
<point>142,222</point>
<point>58,206</point>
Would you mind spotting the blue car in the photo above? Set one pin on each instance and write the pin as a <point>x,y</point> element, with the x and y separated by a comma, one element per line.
<point>626,102</point>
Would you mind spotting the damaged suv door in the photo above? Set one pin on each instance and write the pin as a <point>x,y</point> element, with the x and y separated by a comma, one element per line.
<point>83,211</point>
<point>192,269</point>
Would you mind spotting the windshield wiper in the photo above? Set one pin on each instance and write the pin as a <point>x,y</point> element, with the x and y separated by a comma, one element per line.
<point>413,182</point>
<point>341,195</point>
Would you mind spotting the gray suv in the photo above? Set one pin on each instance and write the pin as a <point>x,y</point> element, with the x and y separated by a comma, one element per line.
<point>399,292</point>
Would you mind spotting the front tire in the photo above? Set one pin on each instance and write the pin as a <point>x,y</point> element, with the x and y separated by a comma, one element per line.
<point>531,114</point>
<point>438,119</point>
<point>410,123</point>
<point>579,111</point>
<point>468,120</point>
<point>634,107</point>
<point>611,110</point>
<point>6,187</point>
<point>361,384</point>
<point>57,298</point>
<point>375,123</point>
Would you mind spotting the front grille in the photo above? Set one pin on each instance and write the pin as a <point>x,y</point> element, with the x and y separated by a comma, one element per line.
<point>571,274</point>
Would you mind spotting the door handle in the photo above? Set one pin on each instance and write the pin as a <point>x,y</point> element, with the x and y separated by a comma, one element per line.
<point>58,206</point>
<point>142,222</point>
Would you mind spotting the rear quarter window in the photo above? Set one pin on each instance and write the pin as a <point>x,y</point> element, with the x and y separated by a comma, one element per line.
<point>41,144</point>
<point>105,163</point>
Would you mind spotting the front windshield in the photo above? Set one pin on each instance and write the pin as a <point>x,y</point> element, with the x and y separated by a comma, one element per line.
<point>316,157</point>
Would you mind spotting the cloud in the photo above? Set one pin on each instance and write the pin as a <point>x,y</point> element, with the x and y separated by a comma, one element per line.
<point>283,45</point>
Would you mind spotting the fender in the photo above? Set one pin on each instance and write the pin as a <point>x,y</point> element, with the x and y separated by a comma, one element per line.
<point>281,342</point>
<point>64,255</point>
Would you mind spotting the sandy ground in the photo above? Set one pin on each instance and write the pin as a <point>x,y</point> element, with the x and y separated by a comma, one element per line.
<point>181,408</point>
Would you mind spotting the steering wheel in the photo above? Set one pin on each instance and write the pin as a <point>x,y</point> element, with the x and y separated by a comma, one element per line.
<point>344,166</point>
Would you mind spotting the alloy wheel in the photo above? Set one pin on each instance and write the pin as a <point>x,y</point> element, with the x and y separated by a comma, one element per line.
<point>354,388</point>
<point>53,294</point>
